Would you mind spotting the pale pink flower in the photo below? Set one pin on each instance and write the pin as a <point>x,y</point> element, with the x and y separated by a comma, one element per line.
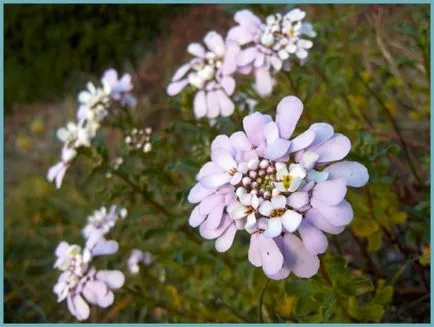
<point>286,195</point>
<point>210,74</point>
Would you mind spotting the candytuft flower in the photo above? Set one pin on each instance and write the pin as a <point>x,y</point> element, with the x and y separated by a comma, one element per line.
<point>285,191</point>
<point>270,45</point>
<point>78,280</point>
<point>103,220</point>
<point>95,103</point>
<point>210,74</point>
<point>138,256</point>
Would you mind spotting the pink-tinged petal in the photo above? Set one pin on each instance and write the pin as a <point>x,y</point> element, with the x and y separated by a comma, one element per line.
<point>93,290</point>
<point>323,132</point>
<point>255,250</point>
<point>272,258</point>
<point>210,234</point>
<point>180,72</point>
<point>263,82</point>
<point>254,127</point>
<point>106,300</point>
<point>221,141</point>
<point>113,278</point>
<point>176,87</point>
<point>111,76</point>
<point>125,83</point>
<point>196,218</point>
<point>236,178</point>
<point>278,149</point>
<point>314,217</point>
<point>212,104</point>
<point>330,192</point>
<point>247,56</point>
<point>245,70</point>
<point>200,107</point>
<point>224,242</point>
<point>226,105</point>
<point>274,228</point>
<point>276,63</point>
<point>210,168</point>
<point>354,173</point>
<point>301,262</point>
<point>60,176</point>
<point>278,201</point>
<point>288,113</point>
<point>302,141</point>
<point>229,65</point>
<point>281,274</point>
<point>246,17</point>
<point>298,199</point>
<point>241,34</point>
<point>265,208</point>
<point>198,193</point>
<point>223,159</point>
<point>271,132</point>
<point>339,215</point>
<point>104,247</point>
<point>336,148</point>
<point>214,181</point>
<point>215,217</point>
<point>291,220</point>
<point>78,307</point>
<point>259,60</point>
<point>215,43</point>
<point>240,141</point>
<point>314,240</point>
<point>207,205</point>
<point>61,249</point>
<point>228,84</point>
<point>196,49</point>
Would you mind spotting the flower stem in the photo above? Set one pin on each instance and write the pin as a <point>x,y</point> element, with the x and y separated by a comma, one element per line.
<point>261,299</point>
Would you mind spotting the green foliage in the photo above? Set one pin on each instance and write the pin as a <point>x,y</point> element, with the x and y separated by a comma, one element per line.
<point>48,47</point>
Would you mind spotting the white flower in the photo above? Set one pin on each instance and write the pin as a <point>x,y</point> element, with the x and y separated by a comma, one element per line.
<point>289,181</point>
<point>74,135</point>
<point>102,220</point>
<point>279,215</point>
<point>57,172</point>
<point>136,257</point>
<point>246,207</point>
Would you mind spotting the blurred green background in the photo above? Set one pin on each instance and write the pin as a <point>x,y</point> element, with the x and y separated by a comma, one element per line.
<point>369,67</point>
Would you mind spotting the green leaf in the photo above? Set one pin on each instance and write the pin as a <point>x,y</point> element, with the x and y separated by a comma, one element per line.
<point>374,241</point>
<point>365,312</point>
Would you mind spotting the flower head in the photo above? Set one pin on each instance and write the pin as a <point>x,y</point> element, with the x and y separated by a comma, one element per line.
<point>270,45</point>
<point>210,74</point>
<point>138,256</point>
<point>78,280</point>
<point>103,220</point>
<point>280,189</point>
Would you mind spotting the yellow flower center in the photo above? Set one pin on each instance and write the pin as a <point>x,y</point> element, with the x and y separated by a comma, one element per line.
<point>277,212</point>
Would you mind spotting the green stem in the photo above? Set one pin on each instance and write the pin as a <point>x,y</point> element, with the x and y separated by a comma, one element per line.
<point>261,300</point>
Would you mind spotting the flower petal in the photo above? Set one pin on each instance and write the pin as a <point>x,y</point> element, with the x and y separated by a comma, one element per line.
<point>215,43</point>
<point>354,173</point>
<point>228,84</point>
<point>215,216</point>
<point>278,202</point>
<point>291,220</point>
<point>301,262</point>
<point>247,56</point>
<point>278,149</point>
<point>302,141</point>
<point>226,105</point>
<point>288,113</point>
<point>180,72</point>
<point>336,148</point>
<point>176,87</point>
<point>271,132</point>
<point>339,215</point>
<point>274,228</point>
<point>198,193</point>
<point>113,278</point>
<point>330,192</point>
<point>196,218</point>
<point>265,208</point>
<point>196,49</point>
<point>208,204</point>
<point>212,104</point>
<point>314,240</point>
<point>317,219</point>
<point>224,242</point>
<point>298,199</point>
<point>255,250</point>
<point>223,159</point>
<point>323,132</point>
<point>263,82</point>
<point>254,127</point>
<point>200,106</point>
<point>272,258</point>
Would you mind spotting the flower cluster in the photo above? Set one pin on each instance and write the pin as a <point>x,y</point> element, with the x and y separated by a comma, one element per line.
<point>95,103</point>
<point>103,220</point>
<point>140,139</point>
<point>268,47</point>
<point>282,191</point>
<point>78,279</point>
